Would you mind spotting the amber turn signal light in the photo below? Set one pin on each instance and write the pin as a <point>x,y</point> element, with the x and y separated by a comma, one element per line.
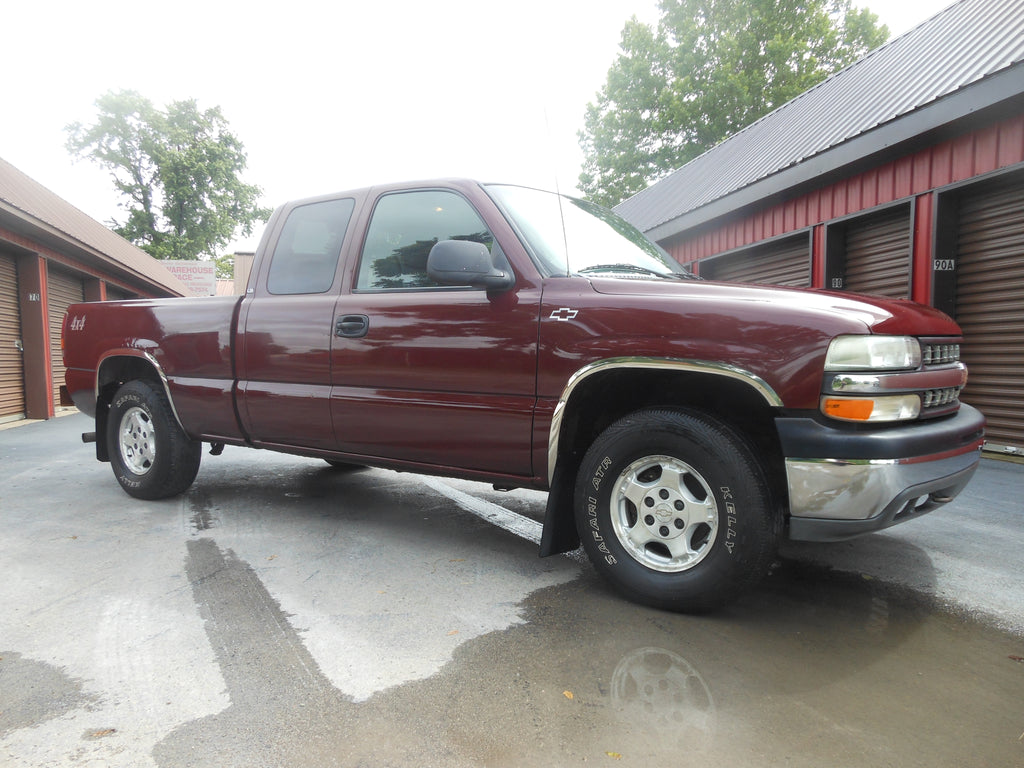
<point>884,408</point>
<point>848,410</point>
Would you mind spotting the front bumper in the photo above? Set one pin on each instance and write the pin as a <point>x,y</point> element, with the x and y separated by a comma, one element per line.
<point>859,482</point>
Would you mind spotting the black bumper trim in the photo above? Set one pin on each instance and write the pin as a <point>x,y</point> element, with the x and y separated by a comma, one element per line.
<point>806,437</point>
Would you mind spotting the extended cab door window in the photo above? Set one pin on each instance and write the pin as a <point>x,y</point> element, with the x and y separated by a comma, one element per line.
<point>285,330</point>
<point>435,374</point>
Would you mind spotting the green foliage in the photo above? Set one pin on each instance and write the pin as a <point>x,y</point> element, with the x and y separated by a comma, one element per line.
<point>225,266</point>
<point>710,68</point>
<point>179,171</point>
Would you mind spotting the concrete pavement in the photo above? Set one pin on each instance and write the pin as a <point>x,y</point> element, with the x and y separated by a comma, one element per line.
<point>285,614</point>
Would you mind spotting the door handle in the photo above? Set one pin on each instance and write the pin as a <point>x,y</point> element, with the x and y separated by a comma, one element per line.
<point>352,326</point>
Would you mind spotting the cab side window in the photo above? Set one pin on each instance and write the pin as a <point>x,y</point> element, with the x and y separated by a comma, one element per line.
<point>404,227</point>
<point>305,258</point>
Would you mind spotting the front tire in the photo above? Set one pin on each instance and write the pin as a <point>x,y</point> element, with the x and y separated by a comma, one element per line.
<point>673,509</point>
<point>151,455</point>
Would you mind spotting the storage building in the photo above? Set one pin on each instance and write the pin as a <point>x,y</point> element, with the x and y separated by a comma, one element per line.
<point>902,175</point>
<point>51,256</point>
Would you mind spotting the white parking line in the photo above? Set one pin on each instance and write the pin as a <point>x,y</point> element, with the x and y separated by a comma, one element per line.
<point>511,521</point>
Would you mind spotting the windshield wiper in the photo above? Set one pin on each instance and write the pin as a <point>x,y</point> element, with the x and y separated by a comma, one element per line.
<point>636,269</point>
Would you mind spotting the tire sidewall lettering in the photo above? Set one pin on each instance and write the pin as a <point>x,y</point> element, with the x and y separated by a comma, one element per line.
<point>592,506</point>
<point>595,531</point>
<point>131,399</point>
<point>730,518</point>
<point>595,481</point>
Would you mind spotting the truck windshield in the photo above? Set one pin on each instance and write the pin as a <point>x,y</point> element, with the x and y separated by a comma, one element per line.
<point>572,236</point>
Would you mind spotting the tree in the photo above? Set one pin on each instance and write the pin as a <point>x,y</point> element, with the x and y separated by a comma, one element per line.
<point>179,170</point>
<point>225,266</point>
<point>710,68</point>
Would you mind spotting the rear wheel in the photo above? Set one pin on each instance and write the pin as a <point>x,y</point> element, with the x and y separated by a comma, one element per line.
<point>151,455</point>
<point>673,509</point>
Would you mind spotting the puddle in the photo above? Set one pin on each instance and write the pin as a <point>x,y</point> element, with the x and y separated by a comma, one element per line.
<point>814,669</point>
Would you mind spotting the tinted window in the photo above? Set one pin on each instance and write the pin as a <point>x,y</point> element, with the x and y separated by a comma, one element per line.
<point>306,255</point>
<point>405,226</point>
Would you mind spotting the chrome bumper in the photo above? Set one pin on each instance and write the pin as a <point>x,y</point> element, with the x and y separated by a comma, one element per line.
<point>831,499</point>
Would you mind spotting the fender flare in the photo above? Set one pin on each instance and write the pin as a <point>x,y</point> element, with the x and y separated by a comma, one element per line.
<point>148,358</point>
<point>758,384</point>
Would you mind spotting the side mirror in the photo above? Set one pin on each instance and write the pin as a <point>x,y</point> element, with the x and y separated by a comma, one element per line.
<point>464,262</point>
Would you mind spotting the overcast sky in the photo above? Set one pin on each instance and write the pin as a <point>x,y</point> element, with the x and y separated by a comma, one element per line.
<point>329,96</point>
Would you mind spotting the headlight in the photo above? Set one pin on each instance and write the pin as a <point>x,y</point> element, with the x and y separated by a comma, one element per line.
<point>873,353</point>
<point>877,354</point>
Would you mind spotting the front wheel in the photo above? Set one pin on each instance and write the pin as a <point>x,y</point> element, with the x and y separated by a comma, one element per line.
<point>674,510</point>
<point>151,455</point>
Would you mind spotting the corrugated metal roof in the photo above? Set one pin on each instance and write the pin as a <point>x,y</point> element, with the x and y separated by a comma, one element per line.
<point>39,207</point>
<point>966,43</point>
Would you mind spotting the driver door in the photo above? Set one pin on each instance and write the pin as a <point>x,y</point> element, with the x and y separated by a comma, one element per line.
<point>432,374</point>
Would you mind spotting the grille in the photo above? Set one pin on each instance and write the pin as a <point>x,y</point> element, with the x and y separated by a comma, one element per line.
<point>936,398</point>
<point>941,354</point>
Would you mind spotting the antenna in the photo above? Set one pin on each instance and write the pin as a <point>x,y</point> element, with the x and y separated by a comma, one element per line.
<point>558,188</point>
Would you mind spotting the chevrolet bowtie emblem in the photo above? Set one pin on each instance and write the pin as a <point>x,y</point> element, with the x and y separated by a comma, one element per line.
<point>564,314</point>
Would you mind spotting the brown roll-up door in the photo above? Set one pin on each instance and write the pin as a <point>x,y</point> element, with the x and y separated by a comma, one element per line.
<point>784,263</point>
<point>878,254</point>
<point>12,373</point>
<point>63,290</point>
<point>990,306</point>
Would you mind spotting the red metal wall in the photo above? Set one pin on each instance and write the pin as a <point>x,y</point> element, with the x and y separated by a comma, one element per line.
<point>997,146</point>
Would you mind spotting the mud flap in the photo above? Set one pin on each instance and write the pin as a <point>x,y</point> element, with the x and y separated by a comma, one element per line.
<point>559,533</point>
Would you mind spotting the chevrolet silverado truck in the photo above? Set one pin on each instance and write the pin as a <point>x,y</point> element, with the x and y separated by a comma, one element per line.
<point>527,339</point>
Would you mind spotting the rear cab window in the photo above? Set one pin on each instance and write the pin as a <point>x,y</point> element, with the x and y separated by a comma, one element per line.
<point>305,258</point>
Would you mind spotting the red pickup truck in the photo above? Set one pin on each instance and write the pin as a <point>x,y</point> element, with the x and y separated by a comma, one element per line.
<point>527,339</point>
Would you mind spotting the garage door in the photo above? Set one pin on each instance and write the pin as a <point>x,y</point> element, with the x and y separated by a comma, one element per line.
<point>784,263</point>
<point>63,290</point>
<point>12,376</point>
<point>877,252</point>
<point>990,306</point>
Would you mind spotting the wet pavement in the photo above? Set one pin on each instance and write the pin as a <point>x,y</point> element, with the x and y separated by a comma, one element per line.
<point>286,614</point>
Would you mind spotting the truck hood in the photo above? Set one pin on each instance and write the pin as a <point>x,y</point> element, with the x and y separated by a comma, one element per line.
<point>876,313</point>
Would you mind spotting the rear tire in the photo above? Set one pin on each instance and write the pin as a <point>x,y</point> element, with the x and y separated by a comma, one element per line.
<point>673,509</point>
<point>151,455</point>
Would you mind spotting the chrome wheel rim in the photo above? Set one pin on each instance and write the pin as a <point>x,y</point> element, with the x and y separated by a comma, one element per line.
<point>664,514</point>
<point>137,441</point>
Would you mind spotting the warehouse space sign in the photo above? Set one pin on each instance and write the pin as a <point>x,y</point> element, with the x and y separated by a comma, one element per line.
<point>200,277</point>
